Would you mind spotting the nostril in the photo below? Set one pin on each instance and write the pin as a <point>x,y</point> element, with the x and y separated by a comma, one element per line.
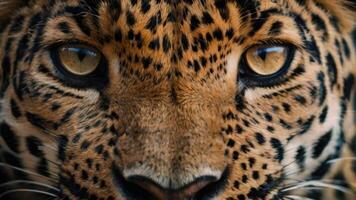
<point>142,188</point>
<point>214,188</point>
<point>187,191</point>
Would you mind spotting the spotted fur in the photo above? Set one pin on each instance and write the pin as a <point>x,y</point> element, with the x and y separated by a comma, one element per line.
<point>172,106</point>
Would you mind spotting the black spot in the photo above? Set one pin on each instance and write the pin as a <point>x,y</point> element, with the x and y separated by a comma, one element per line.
<point>264,166</point>
<point>349,84</point>
<point>154,44</point>
<point>320,26</point>
<point>258,22</point>
<point>260,138</point>
<point>145,6</point>
<point>285,124</point>
<point>244,178</point>
<point>194,22</point>
<point>84,175</point>
<point>254,194</point>
<point>241,197</point>
<point>118,35</point>
<point>238,129</point>
<point>64,27</point>
<point>15,109</point>
<point>85,145</point>
<point>255,175</point>
<point>5,74</point>
<point>154,22</point>
<point>231,143</point>
<point>277,145</point>
<point>17,24</point>
<point>323,114</point>
<point>270,129</point>
<point>286,107</point>
<point>229,33</point>
<point>300,157</point>
<point>268,117</point>
<point>184,42</point>
<point>130,18</point>
<point>244,148</point>
<point>300,99</point>
<point>42,167</point>
<point>322,88</point>
<point>352,145</point>
<point>323,169</point>
<point>321,144</point>
<point>34,145</point>
<point>218,34</point>
<point>55,106</point>
<point>252,162</point>
<point>9,137</point>
<point>89,162</point>
<point>66,117</point>
<point>235,155</point>
<point>243,166</point>
<point>275,28</point>
<point>310,44</point>
<point>74,188</point>
<point>39,121</point>
<point>305,126</point>
<point>221,5</point>
<point>240,102</point>
<point>133,2</point>
<point>346,48</point>
<point>207,19</point>
<point>62,146</point>
<point>99,149</point>
<point>332,71</point>
<point>146,61</point>
<point>80,19</point>
<point>237,184</point>
<point>166,44</point>
<point>301,2</point>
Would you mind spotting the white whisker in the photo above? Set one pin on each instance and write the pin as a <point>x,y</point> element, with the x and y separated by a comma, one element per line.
<point>26,190</point>
<point>294,197</point>
<point>341,159</point>
<point>317,184</point>
<point>25,171</point>
<point>29,182</point>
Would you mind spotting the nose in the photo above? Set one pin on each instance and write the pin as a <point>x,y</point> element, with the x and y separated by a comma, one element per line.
<point>188,191</point>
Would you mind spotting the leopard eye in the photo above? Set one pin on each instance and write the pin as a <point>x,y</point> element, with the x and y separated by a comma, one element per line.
<point>79,65</point>
<point>79,60</point>
<point>264,60</point>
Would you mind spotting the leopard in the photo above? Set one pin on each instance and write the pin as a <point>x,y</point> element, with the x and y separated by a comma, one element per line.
<point>177,100</point>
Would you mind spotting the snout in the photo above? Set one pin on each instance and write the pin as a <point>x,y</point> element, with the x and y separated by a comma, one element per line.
<point>141,186</point>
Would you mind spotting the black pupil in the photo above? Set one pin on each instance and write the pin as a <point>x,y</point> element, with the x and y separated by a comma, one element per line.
<point>82,53</point>
<point>262,53</point>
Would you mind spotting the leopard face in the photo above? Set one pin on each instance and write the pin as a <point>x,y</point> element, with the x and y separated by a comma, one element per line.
<point>213,99</point>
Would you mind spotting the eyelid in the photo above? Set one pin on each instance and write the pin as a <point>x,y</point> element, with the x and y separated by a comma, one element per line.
<point>61,42</point>
<point>278,42</point>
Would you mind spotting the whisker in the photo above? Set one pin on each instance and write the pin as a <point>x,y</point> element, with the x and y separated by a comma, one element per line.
<point>294,197</point>
<point>26,171</point>
<point>29,182</point>
<point>317,184</point>
<point>26,190</point>
<point>341,159</point>
<point>49,147</point>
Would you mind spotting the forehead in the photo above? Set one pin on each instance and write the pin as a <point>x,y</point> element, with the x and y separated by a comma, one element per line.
<point>191,17</point>
<point>163,35</point>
